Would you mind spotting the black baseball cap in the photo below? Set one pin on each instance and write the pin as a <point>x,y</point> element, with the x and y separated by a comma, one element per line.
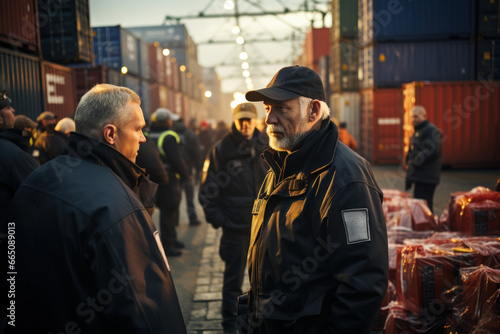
<point>290,82</point>
<point>5,101</point>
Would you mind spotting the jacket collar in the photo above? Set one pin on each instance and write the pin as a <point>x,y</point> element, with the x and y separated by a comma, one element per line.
<point>15,136</point>
<point>313,153</point>
<point>132,175</point>
<point>421,125</point>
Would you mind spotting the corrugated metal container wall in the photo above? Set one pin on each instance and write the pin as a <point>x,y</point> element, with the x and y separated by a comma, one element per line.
<point>345,19</point>
<point>169,66</point>
<point>347,108</point>
<point>381,134</point>
<point>65,32</point>
<point>20,76</point>
<point>143,50</point>
<point>488,21</point>
<point>157,70</point>
<point>172,100</point>
<point>488,60</point>
<point>392,64</point>
<point>19,26</point>
<point>59,89</point>
<point>407,20</point>
<point>158,97</point>
<point>468,115</point>
<point>324,74</point>
<point>344,59</point>
<point>316,45</point>
<point>88,77</point>
<point>115,47</point>
<point>145,95</point>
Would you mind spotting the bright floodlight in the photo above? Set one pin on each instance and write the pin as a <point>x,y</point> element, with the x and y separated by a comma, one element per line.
<point>166,52</point>
<point>228,4</point>
<point>236,30</point>
<point>245,65</point>
<point>124,69</point>
<point>243,55</point>
<point>208,93</point>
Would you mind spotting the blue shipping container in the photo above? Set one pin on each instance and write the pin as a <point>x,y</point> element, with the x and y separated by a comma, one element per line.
<point>411,20</point>
<point>392,64</point>
<point>116,47</point>
<point>20,76</point>
<point>488,60</point>
<point>488,18</point>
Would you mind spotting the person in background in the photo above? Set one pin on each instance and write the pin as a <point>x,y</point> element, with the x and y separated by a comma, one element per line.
<point>50,144</point>
<point>16,164</point>
<point>191,153</point>
<point>206,137</point>
<point>168,143</point>
<point>318,257</point>
<point>423,160</point>
<point>24,123</point>
<point>88,256</point>
<point>46,122</point>
<point>229,205</point>
<point>346,137</point>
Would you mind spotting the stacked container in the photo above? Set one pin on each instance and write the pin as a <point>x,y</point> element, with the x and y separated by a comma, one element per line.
<point>19,26</point>
<point>488,40</point>
<point>343,81</point>
<point>402,42</point>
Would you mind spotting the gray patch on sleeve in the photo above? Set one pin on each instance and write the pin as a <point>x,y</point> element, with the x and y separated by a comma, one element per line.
<point>356,224</point>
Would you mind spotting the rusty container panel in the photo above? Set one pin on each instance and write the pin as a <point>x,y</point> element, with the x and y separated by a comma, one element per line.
<point>19,27</point>
<point>157,65</point>
<point>468,115</point>
<point>20,77</point>
<point>59,89</point>
<point>88,77</point>
<point>381,125</point>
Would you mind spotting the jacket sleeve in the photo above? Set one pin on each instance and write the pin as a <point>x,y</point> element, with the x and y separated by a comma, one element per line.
<point>359,264</point>
<point>175,159</point>
<point>212,184</point>
<point>132,272</point>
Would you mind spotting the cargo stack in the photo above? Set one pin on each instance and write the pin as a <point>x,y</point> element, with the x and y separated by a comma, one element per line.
<point>488,40</point>
<point>401,42</point>
<point>343,82</point>
<point>38,39</point>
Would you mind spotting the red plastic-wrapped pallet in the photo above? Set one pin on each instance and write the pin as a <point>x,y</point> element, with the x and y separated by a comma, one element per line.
<point>400,320</point>
<point>477,212</point>
<point>402,211</point>
<point>477,307</point>
<point>423,277</point>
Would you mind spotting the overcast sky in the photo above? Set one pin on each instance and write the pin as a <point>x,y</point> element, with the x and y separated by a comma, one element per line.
<point>128,13</point>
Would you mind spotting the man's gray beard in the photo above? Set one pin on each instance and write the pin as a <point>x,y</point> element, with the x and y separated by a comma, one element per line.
<point>286,143</point>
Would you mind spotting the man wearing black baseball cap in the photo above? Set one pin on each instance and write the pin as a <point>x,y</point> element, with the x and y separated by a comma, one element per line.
<point>318,258</point>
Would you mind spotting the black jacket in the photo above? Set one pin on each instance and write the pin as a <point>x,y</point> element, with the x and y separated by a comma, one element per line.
<point>15,165</point>
<point>231,180</point>
<point>190,146</point>
<point>318,258</point>
<point>49,145</point>
<point>424,154</point>
<point>88,256</point>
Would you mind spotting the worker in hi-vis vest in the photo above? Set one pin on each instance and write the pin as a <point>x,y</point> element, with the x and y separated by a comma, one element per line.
<point>169,196</point>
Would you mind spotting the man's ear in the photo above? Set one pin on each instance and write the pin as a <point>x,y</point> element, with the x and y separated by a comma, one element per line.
<point>109,133</point>
<point>315,111</point>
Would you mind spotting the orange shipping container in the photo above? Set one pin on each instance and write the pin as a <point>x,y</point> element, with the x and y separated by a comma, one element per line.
<point>58,89</point>
<point>381,130</point>
<point>468,114</point>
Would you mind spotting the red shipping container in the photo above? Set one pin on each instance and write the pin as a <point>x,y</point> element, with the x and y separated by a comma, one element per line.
<point>59,89</point>
<point>316,45</point>
<point>381,119</point>
<point>19,25</point>
<point>88,77</point>
<point>468,115</point>
<point>157,65</point>
<point>159,97</point>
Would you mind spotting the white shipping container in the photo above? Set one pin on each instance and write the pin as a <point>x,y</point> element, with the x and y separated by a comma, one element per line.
<point>346,107</point>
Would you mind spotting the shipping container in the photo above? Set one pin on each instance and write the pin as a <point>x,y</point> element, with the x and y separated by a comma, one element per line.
<point>381,133</point>
<point>488,59</point>
<point>59,89</point>
<point>344,64</point>
<point>144,69</point>
<point>407,20</point>
<point>145,95</point>
<point>316,45</point>
<point>392,64</point>
<point>116,47</point>
<point>157,65</point>
<point>65,32</point>
<point>88,77</point>
<point>488,22</point>
<point>158,97</point>
<point>346,108</point>
<point>19,30</point>
<point>345,20</point>
<point>324,74</point>
<point>174,37</point>
<point>20,77</point>
<point>468,115</point>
